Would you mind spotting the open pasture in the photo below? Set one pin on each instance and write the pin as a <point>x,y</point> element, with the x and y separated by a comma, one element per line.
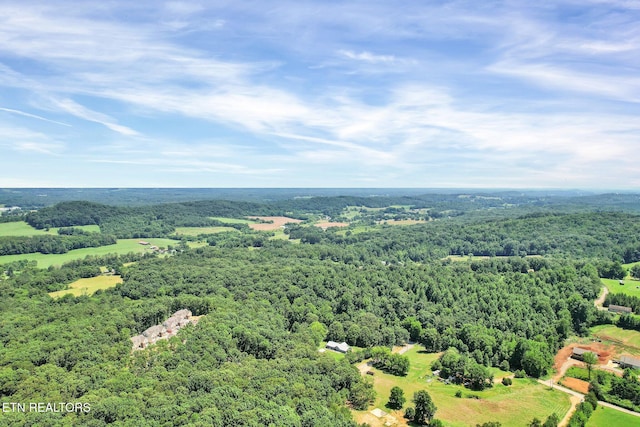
<point>232,220</point>
<point>123,246</point>
<point>274,222</point>
<point>629,286</point>
<point>88,286</point>
<point>607,417</point>
<point>512,406</point>
<point>196,231</point>
<point>21,228</point>
<point>623,340</point>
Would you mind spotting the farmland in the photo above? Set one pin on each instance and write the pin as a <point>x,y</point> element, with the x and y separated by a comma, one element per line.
<point>512,406</point>
<point>123,246</point>
<point>607,417</point>
<point>88,286</point>
<point>21,228</point>
<point>624,341</point>
<point>630,287</point>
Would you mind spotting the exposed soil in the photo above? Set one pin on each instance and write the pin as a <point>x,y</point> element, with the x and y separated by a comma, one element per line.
<point>275,222</point>
<point>576,384</point>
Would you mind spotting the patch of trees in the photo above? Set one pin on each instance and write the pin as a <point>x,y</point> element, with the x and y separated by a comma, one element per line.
<point>623,391</point>
<point>461,369</point>
<point>395,364</point>
<point>583,411</point>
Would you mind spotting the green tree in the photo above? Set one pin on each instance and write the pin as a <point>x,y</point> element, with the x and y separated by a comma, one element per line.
<point>396,399</point>
<point>590,359</point>
<point>425,408</point>
<point>635,271</point>
<point>552,421</point>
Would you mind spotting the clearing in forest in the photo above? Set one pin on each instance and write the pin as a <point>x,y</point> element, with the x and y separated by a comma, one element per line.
<point>624,341</point>
<point>629,286</point>
<point>273,222</point>
<point>123,246</point>
<point>512,405</point>
<point>607,417</point>
<point>21,228</point>
<point>88,286</point>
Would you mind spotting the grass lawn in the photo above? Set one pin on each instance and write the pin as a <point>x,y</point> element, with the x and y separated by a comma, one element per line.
<point>232,220</point>
<point>122,247</point>
<point>630,287</point>
<point>88,286</point>
<point>606,417</point>
<point>512,406</point>
<point>21,228</point>
<point>624,340</point>
<point>195,231</point>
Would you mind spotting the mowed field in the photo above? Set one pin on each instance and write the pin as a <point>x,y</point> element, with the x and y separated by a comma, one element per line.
<point>23,229</point>
<point>515,405</point>
<point>607,417</point>
<point>196,231</point>
<point>276,222</point>
<point>232,220</point>
<point>630,287</point>
<point>123,246</point>
<point>623,340</point>
<point>88,286</point>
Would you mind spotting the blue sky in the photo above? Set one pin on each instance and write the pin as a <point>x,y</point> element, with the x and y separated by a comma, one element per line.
<point>320,94</point>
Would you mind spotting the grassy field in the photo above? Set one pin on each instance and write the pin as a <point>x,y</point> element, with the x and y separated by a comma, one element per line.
<point>122,247</point>
<point>624,340</point>
<point>88,286</point>
<point>512,406</point>
<point>630,287</point>
<point>607,417</point>
<point>195,231</point>
<point>23,229</point>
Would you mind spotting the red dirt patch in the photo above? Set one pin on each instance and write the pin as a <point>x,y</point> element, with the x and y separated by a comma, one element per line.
<point>576,384</point>
<point>604,353</point>
<point>275,222</point>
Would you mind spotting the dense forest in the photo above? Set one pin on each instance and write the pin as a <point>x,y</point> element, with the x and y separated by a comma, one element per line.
<point>266,305</point>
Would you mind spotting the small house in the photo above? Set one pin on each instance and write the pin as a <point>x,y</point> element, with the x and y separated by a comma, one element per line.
<point>629,362</point>
<point>620,309</point>
<point>342,347</point>
<point>578,353</point>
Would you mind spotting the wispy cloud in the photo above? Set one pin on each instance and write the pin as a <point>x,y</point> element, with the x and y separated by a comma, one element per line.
<point>367,56</point>
<point>33,116</point>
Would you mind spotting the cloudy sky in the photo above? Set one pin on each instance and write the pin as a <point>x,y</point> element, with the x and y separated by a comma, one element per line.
<point>294,93</point>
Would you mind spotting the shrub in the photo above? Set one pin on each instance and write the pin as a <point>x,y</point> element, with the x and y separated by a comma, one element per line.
<point>409,413</point>
<point>507,381</point>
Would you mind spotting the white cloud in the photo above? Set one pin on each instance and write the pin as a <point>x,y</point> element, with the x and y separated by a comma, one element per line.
<point>367,56</point>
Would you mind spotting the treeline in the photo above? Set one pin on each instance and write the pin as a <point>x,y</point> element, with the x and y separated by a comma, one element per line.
<point>51,244</point>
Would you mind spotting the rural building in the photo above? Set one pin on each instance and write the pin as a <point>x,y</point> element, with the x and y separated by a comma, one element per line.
<point>620,309</point>
<point>578,353</point>
<point>169,328</point>
<point>139,342</point>
<point>342,347</point>
<point>142,242</point>
<point>629,362</point>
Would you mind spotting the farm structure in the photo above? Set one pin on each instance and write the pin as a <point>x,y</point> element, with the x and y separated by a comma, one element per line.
<point>629,362</point>
<point>166,330</point>
<point>342,347</point>
<point>578,353</point>
<point>620,309</point>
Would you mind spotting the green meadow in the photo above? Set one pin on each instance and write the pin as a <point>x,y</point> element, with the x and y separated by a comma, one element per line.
<point>630,287</point>
<point>607,417</point>
<point>88,286</point>
<point>21,228</point>
<point>196,231</point>
<point>514,405</point>
<point>123,246</point>
<point>624,340</point>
